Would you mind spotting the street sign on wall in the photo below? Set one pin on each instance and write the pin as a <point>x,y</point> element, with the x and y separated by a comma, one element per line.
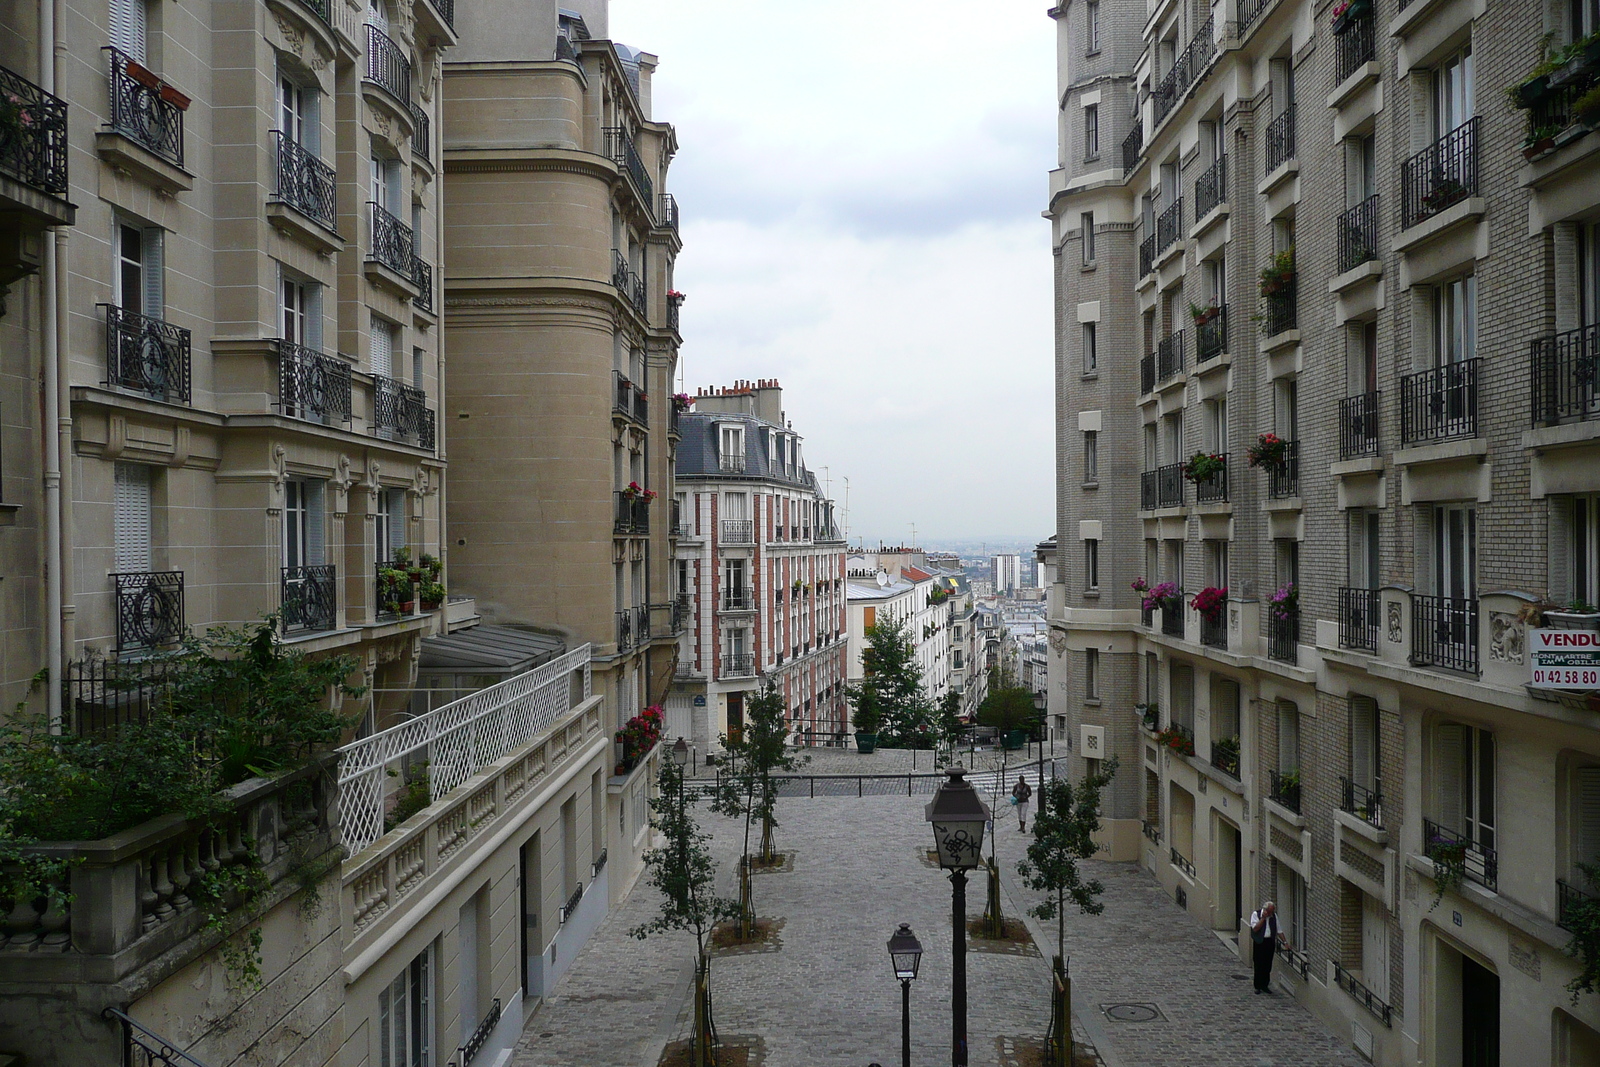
<point>1564,659</point>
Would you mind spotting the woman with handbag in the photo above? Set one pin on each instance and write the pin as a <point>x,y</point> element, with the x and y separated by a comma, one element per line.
<point>1021,794</point>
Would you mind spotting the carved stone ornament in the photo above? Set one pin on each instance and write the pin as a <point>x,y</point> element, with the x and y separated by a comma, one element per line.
<point>340,483</point>
<point>280,474</point>
<point>1506,639</point>
<point>1058,640</point>
<point>293,39</point>
<point>372,485</point>
<point>1394,621</point>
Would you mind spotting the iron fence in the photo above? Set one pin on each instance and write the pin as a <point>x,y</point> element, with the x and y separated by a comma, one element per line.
<point>1172,619</point>
<point>1439,403</point>
<point>1283,634</point>
<point>1147,255</point>
<point>1280,139</point>
<point>1556,109</point>
<point>305,182</point>
<point>669,211</point>
<point>447,12</point>
<point>1365,804</point>
<point>1211,188</point>
<point>420,139</point>
<point>1148,494</point>
<point>1147,373</point>
<point>628,283</point>
<point>1283,310</point>
<point>1358,234</point>
<point>1358,619</point>
<point>1479,862</point>
<point>147,355</point>
<point>391,594</point>
<point>1214,628</point>
<point>625,630</point>
<point>399,410</point>
<point>311,385</point>
<point>422,278</point>
<point>1441,175</point>
<point>632,513</point>
<point>392,241</point>
<point>100,693</point>
<point>1180,861</point>
<point>1186,68</point>
<point>1249,11</point>
<point>1283,477</point>
<point>141,108</point>
<point>738,531</point>
<point>1357,47</point>
<point>149,607</point>
<point>1363,996</point>
<point>738,600</point>
<point>738,665</point>
<point>1211,336</point>
<point>387,65</point>
<point>1358,425</point>
<point>33,149</point>
<point>1568,896</point>
<point>1566,375</point>
<point>318,8</point>
<point>1444,632</point>
<point>1214,489</point>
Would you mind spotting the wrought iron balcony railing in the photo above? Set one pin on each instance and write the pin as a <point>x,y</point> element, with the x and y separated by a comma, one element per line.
<point>1283,478</point>
<point>392,594</point>
<point>738,600</point>
<point>731,463</point>
<point>147,355</point>
<point>1169,485</point>
<point>623,398</point>
<point>1283,310</point>
<point>311,385</point>
<point>1185,70</point>
<point>1225,756</point>
<point>33,144</point>
<point>629,285</point>
<point>1440,403</point>
<point>1214,490</point>
<point>1566,376</point>
<point>392,241</point>
<point>102,693</point>
<point>1283,634</point>
<point>318,8</point>
<point>421,141</point>
<point>682,611</point>
<point>1249,11</point>
<point>669,211</point>
<point>310,598</point>
<point>1147,255</point>
<point>387,65</point>
<point>1568,896</point>
<point>1214,629</point>
<point>1363,996</point>
<point>1358,618</point>
<point>1479,862</point>
<point>1148,494</point>
<point>1441,175</point>
<point>1147,373</point>
<point>632,513</point>
<point>621,150</point>
<point>1211,336</point>
<point>145,109</point>
<point>1169,226</point>
<point>738,532</point>
<point>1285,789</point>
<point>1358,425</point>
<point>1132,145</point>
<point>1358,234</point>
<point>1557,108</point>
<point>305,182</point>
<point>447,12</point>
<point>628,629</point>
<point>1365,804</point>
<point>149,608</point>
<point>1169,356</point>
<point>1444,632</point>
<point>738,665</point>
<point>399,412</point>
<point>1211,188</point>
<point>422,278</point>
<point>1280,139</point>
<point>1357,46</point>
<point>1172,619</point>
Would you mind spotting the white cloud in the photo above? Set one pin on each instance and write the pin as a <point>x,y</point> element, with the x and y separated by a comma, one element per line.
<point>861,186</point>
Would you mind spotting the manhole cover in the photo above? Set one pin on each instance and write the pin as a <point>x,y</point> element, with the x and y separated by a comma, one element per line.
<point>1132,1013</point>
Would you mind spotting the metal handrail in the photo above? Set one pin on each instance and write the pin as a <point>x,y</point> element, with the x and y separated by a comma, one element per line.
<point>1363,996</point>
<point>142,1047</point>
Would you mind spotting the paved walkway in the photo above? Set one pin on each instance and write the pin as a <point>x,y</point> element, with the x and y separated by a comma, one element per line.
<point>827,998</point>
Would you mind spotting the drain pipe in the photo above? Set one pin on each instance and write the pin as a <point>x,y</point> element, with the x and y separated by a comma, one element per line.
<point>49,323</point>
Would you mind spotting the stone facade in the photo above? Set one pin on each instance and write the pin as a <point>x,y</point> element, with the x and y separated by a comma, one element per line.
<point>1267,223</point>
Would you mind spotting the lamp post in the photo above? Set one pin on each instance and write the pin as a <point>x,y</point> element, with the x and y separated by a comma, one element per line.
<point>905,952</point>
<point>958,815</point>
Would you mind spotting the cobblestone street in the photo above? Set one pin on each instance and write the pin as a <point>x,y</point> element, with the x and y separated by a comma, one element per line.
<point>826,997</point>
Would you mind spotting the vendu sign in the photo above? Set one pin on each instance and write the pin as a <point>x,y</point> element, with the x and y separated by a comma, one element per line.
<point>1564,659</point>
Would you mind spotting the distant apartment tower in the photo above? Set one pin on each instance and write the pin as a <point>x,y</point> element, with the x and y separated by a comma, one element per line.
<point>1007,573</point>
<point>759,566</point>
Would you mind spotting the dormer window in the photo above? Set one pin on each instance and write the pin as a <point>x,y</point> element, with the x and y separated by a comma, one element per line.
<point>730,447</point>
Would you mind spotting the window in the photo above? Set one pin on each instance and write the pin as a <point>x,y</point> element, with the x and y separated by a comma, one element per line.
<point>385,180</point>
<point>1216,424</point>
<point>1091,564</point>
<point>1286,561</point>
<point>1091,455</point>
<point>300,311</point>
<point>1360,169</point>
<point>1464,781</point>
<point>734,585</point>
<point>418,365</point>
<point>1091,132</point>
<point>1217,564</point>
<point>302,523</point>
<point>1091,350</point>
<point>131,518</point>
<point>389,525</point>
<point>1365,768</point>
<point>1086,228</point>
<point>1293,908</point>
<point>1585,548</point>
<point>139,275</point>
<point>1455,545</point>
<point>1182,682</point>
<point>382,341</point>
<point>1454,85</point>
<point>128,22</point>
<point>1091,29</point>
<point>1589,271</point>
<point>405,1016</point>
<point>1362,558</point>
<point>1091,674</point>
<point>297,113</point>
<point>1585,843</point>
<point>731,447</point>
<point>1288,737</point>
<point>1455,320</point>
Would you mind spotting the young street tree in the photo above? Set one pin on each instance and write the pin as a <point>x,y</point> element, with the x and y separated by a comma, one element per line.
<point>1009,708</point>
<point>893,687</point>
<point>1063,834</point>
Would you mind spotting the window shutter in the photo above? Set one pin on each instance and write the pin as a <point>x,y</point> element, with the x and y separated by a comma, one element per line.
<point>1586,843</point>
<point>397,520</point>
<point>151,247</point>
<point>311,120</point>
<point>1288,738</point>
<point>1363,758</point>
<point>127,28</point>
<point>1449,755</point>
<point>315,519</point>
<point>311,326</point>
<point>382,348</point>
<point>132,517</point>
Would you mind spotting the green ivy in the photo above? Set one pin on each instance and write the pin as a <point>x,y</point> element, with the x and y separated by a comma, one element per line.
<point>1582,920</point>
<point>233,896</point>
<point>1449,867</point>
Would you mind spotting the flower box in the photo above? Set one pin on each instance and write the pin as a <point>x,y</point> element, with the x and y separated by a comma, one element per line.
<point>175,98</point>
<point>1270,451</point>
<point>1572,620</point>
<point>142,74</point>
<point>1210,601</point>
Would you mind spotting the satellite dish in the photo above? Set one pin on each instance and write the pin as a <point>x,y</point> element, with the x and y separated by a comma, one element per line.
<point>883,579</point>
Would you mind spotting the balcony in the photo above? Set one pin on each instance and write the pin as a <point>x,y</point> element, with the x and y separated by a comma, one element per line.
<point>1147,373</point>
<point>1249,11</point>
<point>1358,426</point>
<point>1439,404</point>
<point>147,355</point>
<point>1566,376</point>
<point>1443,174</point>
<point>1280,139</point>
<point>387,66</point>
<point>1169,356</point>
<point>1283,310</point>
<point>682,612</point>
<point>1365,804</point>
<point>733,463</point>
<point>1556,109</point>
<point>1147,255</point>
<point>738,532</point>
<point>1211,188</point>
<point>1214,629</point>
<point>1357,47</point>
<point>629,401</point>
<point>738,665</point>
<point>34,151</point>
<point>1172,619</point>
<point>1358,234</point>
<point>632,514</point>
<point>1283,478</point>
<point>1169,227</point>
<point>1444,632</point>
<point>146,110</point>
<point>312,386</point>
<point>420,133</point>
<point>1362,995</point>
<point>1478,862</point>
<point>668,215</point>
<point>1284,789</point>
<point>1148,494</point>
<point>149,607</point>
<point>1358,619</point>
<point>1169,486</point>
<point>422,278</point>
<point>620,150</point>
<point>1211,335</point>
<point>1214,490</point>
<point>629,632</point>
<point>1283,635</point>
<point>306,183</point>
<point>309,598</point>
<point>1568,896</point>
<point>738,600</point>
<point>392,242</point>
<point>1132,145</point>
<point>1186,69</point>
<point>447,12</point>
<point>394,594</point>
<point>400,413</point>
<point>629,286</point>
<point>1225,755</point>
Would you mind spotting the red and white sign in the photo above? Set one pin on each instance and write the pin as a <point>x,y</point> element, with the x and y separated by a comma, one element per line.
<point>1564,659</point>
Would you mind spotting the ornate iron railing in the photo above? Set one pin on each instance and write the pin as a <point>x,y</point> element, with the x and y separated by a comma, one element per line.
<point>622,398</point>
<point>1283,634</point>
<point>1211,188</point>
<point>447,12</point>
<point>1358,234</point>
<point>311,385</point>
<point>1249,11</point>
<point>738,532</point>
<point>1440,403</point>
<point>392,241</point>
<point>1169,356</point>
<point>387,65</point>
<point>1357,46</point>
<point>1185,70</point>
<point>632,513</point>
<point>1214,628</point>
<point>485,1029</point>
<point>143,108</point>
<point>1479,862</point>
<point>1566,375</point>
<point>1169,479</point>
<point>1365,804</point>
<point>305,182</point>
<point>399,411</point>
<point>146,1048</point>
<point>1132,145</point>
<point>1285,789</point>
<point>1180,861</point>
<point>738,600</point>
<point>147,355</point>
<point>1358,425</point>
<point>1214,490</point>
<point>621,150</point>
<point>733,463</point>
<point>390,595</point>
<point>422,278</point>
<point>1358,618</point>
<point>669,211</point>
<point>1363,996</point>
<point>1283,310</point>
<point>1280,139</point>
<point>420,132</point>
<point>1444,632</point>
<point>1225,756</point>
<point>318,8</point>
<point>101,693</point>
<point>1283,478</point>
<point>1556,109</point>
<point>629,285</point>
<point>625,630</point>
<point>1169,227</point>
<point>738,665</point>
<point>33,137</point>
<point>149,608</point>
<point>1211,336</point>
<point>1443,174</point>
<point>310,598</point>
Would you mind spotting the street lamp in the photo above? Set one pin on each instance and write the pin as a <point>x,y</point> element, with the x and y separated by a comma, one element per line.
<point>905,952</point>
<point>958,816</point>
<point>680,752</point>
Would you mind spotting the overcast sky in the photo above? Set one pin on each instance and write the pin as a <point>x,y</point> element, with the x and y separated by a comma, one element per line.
<point>861,185</point>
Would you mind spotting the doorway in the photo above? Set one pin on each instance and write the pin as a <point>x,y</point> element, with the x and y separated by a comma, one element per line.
<point>1230,867</point>
<point>735,716</point>
<point>1480,1015</point>
<point>529,892</point>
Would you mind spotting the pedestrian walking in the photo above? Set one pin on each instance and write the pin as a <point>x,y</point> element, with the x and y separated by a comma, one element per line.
<point>1264,938</point>
<point>1021,794</point>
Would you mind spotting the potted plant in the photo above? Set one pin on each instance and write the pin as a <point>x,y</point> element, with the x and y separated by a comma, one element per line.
<point>634,491</point>
<point>675,298</point>
<point>1444,191</point>
<point>681,401</point>
<point>142,74</point>
<point>432,595</point>
<point>431,564</point>
<point>1225,754</point>
<point>1346,12</point>
<point>1269,451</point>
<point>1285,603</point>
<point>397,590</point>
<point>1160,597</point>
<point>1204,315</point>
<point>1203,466</point>
<point>867,719</point>
<point>1278,274</point>
<point>1210,601</point>
<point>1149,715</point>
<point>1586,109</point>
<point>638,736</point>
<point>1576,61</point>
<point>1539,141</point>
<point>174,97</point>
<point>1177,739</point>
<point>1576,615</point>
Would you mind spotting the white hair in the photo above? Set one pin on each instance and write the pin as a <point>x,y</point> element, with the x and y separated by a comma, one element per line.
<point>1268,904</point>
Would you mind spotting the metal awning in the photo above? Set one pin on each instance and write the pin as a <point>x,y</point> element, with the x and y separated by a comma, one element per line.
<point>488,650</point>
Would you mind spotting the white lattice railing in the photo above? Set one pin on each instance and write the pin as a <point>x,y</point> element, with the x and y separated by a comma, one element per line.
<point>458,739</point>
